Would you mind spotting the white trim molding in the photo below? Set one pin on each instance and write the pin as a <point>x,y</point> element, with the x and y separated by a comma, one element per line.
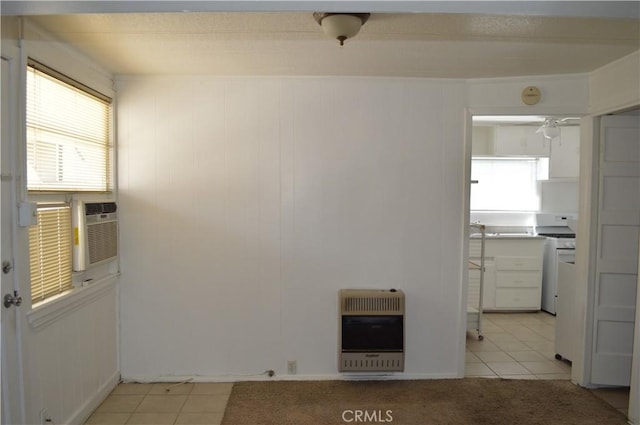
<point>51,311</point>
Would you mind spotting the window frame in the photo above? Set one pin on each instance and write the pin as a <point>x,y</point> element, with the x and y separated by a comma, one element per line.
<point>109,143</point>
<point>43,311</point>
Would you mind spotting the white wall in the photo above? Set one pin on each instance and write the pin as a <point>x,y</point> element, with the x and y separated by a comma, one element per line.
<point>70,360</point>
<point>615,86</point>
<point>558,196</point>
<point>247,203</point>
<point>560,95</point>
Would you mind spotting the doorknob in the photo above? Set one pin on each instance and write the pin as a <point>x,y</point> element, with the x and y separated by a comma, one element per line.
<point>6,267</point>
<point>14,299</point>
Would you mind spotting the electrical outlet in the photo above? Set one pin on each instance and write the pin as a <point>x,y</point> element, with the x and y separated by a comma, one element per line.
<point>292,367</point>
<point>44,417</point>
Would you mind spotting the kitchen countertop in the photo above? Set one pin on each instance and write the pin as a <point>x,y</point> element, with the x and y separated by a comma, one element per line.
<point>506,236</point>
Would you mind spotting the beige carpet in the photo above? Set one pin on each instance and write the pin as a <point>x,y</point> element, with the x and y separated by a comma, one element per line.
<point>473,401</point>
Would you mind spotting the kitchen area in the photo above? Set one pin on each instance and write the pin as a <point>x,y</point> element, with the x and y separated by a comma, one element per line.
<point>522,238</point>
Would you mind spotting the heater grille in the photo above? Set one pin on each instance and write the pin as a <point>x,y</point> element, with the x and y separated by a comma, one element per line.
<point>356,362</point>
<point>371,302</point>
<point>371,330</point>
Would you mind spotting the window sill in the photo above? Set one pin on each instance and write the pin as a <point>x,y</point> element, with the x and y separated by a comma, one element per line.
<point>49,312</point>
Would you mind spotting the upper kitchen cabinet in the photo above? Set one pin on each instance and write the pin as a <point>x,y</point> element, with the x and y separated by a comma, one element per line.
<point>483,140</point>
<point>520,141</point>
<point>564,158</point>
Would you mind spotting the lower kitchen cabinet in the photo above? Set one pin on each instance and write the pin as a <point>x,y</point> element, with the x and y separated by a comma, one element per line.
<point>513,273</point>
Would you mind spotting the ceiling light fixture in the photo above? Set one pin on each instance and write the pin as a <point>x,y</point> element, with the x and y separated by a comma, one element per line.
<point>341,25</point>
<point>550,129</point>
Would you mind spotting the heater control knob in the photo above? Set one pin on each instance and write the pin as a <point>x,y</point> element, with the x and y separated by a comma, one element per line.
<point>392,290</point>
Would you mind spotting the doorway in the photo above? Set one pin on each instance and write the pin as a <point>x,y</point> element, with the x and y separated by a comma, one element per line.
<point>521,166</point>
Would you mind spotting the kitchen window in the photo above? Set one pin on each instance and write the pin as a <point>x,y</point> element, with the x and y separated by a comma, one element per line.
<point>505,184</point>
<point>68,151</point>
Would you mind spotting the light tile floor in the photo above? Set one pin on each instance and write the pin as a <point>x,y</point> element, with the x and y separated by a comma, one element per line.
<point>515,346</point>
<point>522,346</point>
<point>163,403</point>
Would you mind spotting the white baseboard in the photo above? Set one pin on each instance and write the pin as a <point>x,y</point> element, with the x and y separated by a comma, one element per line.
<point>284,377</point>
<point>80,416</point>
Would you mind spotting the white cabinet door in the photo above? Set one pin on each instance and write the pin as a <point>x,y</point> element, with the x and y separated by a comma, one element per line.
<point>518,299</point>
<point>483,140</point>
<point>535,143</point>
<point>564,158</point>
<point>473,291</point>
<point>520,140</point>
<point>617,250</point>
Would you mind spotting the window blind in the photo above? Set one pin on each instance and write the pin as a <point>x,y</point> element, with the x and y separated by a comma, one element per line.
<point>50,252</point>
<point>68,134</point>
<point>504,185</point>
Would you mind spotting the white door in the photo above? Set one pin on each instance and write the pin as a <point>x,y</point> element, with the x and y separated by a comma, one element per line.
<point>617,250</point>
<point>12,389</point>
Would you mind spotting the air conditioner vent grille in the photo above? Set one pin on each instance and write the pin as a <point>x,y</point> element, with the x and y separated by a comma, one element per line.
<point>97,208</point>
<point>103,241</point>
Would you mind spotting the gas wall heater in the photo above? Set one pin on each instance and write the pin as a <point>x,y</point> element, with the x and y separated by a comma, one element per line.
<point>371,336</point>
<point>95,233</point>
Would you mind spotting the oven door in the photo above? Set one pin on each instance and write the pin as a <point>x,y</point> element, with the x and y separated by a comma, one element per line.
<point>565,255</point>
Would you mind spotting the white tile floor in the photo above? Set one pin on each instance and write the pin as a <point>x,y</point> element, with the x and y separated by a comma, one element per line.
<point>515,346</point>
<point>163,403</point>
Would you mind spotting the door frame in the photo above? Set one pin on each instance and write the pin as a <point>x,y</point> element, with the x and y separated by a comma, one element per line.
<point>13,409</point>
<point>634,393</point>
<point>470,112</point>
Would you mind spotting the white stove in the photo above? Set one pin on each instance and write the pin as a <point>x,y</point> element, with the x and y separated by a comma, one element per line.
<point>559,247</point>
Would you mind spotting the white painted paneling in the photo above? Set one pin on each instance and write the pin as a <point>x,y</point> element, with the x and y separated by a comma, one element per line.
<point>615,85</point>
<point>72,363</point>
<point>247,203</point>
<point>560,94</point>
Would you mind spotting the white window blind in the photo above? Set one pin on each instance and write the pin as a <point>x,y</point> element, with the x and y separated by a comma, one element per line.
<point>504,185</point>
<point>50,252</point>
<point>68,140</point>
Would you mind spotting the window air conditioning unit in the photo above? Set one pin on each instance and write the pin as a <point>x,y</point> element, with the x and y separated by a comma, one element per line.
<point>95,233</point>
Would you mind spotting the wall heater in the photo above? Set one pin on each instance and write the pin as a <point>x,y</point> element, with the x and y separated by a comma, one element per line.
<point>371,336</point>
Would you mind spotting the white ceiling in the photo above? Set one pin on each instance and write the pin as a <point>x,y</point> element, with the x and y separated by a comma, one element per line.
<point>444,45</point>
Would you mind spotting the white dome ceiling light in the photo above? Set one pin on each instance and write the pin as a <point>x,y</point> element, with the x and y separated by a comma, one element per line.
<point>551,127</point>
<point>341,25</point>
